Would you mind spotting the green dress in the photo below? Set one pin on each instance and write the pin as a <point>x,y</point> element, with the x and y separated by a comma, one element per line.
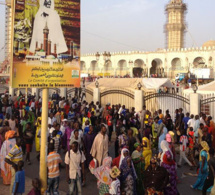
<point>139,168</point>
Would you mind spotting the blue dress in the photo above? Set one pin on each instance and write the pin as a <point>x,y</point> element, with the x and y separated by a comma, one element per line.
<point>202,176</point>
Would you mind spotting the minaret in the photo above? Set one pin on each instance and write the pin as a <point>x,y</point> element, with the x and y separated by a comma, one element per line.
<point>175,26</point>
<point>49,47</point>
<point>45,38</point>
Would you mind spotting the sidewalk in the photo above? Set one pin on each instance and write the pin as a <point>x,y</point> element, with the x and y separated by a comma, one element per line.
<point>4,190</point>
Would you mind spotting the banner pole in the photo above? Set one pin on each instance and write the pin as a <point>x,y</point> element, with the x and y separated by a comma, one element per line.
<point>43,148</point>
<point>26,95</point>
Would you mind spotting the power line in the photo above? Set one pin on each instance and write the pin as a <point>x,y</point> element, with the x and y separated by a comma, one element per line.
<point>107,39</point>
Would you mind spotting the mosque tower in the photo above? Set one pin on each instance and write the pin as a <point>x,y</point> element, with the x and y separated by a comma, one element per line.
<point>45,38</point>
<point>175,25</point>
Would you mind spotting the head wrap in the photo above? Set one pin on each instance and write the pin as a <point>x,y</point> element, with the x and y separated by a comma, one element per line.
<point>165,148</point>
<point>10,134</point>
<point>191,133</point>
<point>205,148</point>
<point>136,145</point>
<point>102,173</point>
<point>122,155</point>
<point>115,172</point>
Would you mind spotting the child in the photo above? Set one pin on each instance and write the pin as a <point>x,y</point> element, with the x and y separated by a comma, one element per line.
<point>191,139</point>
<point>87,127</point>
<point>183,147</point>
<point>28,137</point>
<point>56,141</point>
<point>115,184</point>
<point>19,183</point>
<point>36,187</point>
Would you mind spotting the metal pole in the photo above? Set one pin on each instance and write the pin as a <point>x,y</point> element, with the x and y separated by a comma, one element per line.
<point>43,148</point>
<point>26,95</point>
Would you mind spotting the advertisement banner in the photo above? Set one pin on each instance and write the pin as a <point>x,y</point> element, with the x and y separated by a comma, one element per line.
<point>46,44</point>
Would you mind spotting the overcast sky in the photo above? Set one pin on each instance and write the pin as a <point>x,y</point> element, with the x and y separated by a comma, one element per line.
<point>126,25</point>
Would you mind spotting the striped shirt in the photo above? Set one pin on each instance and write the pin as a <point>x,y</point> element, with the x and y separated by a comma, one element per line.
<point>53,161</point>
<point>15,154</point>
<point>56,142</point>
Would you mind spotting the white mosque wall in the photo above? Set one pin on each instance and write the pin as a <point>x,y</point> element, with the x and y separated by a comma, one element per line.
<point>164,59</point>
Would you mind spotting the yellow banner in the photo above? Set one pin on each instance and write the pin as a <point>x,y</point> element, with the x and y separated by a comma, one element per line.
<point>46,44</point>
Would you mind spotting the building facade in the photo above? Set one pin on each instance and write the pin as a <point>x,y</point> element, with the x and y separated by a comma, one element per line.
<point>166,62</point>
<point>163,62</point>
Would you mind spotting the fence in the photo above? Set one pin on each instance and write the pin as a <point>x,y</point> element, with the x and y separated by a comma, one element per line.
<point>118,96</point>
<point>164,101</point>
<point>208,104</point>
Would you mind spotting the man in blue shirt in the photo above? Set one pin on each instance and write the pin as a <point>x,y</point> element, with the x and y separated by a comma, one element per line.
<point>185,120</point>
<point>19,183</point>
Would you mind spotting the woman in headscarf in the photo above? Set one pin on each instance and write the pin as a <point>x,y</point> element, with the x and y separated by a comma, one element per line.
<point>147,152</point>
<point>203,169</point>
<point>167,161</point>
<point>128,177</point>
<point>8,144</point>
<point>124,153</point>
<point>162,137</point>
<point>139,165</point>
<point>171,144</point>
<point>102,174</point>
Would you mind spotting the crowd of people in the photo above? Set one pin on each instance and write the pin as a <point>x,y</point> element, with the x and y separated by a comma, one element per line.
<point>149,147</point>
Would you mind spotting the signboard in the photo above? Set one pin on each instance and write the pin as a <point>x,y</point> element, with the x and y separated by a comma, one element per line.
<point>46,44</point>
<point>202,73</point>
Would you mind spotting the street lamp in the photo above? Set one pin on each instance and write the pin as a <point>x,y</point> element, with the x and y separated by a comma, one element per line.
<point>97,84</point>
<point>139,86</point>
<point>97,56</point>
<point>108,56</point>
<point>130,62</point>
<point>105,56</point>
<point>195,88</point>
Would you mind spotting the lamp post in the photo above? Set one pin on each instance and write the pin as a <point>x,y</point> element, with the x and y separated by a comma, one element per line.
<point>131,66</point>
<point>139,86</point>
<point>97,56</point>
<point>195,88</point>
<point>97,84</point>
<point>106,58</point>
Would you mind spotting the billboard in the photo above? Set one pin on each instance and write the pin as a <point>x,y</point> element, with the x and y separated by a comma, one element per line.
<point>46,44</point>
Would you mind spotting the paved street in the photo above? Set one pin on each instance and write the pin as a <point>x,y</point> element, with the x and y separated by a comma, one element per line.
<point>32,171</point>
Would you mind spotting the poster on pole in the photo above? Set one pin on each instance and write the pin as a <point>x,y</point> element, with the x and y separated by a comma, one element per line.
<point>46,44</point>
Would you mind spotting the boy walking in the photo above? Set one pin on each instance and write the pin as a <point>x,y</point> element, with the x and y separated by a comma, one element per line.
<point>191,139</point>
<point>183,147</point>
<point>53,161</point>
<point>19,183</point>
<point>29,138</point>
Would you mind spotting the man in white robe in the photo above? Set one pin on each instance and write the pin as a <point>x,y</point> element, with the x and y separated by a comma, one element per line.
<point>99,148</point>
<point>46,15</point>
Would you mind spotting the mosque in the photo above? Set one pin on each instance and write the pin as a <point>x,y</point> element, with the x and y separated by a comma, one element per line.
<point>168,62</point>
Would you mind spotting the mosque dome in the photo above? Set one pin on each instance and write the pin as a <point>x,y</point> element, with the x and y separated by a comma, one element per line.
<point>210,43</point>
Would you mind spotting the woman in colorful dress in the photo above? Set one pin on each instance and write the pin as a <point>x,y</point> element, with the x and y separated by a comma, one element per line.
<point>38,127</point>
<point>139,165</point>
<point>102,174</point>
<point>7,145</point>
<point>147,152</point>
<point>128,177</point>
<point>169,164</point>
<point>203,169</point>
